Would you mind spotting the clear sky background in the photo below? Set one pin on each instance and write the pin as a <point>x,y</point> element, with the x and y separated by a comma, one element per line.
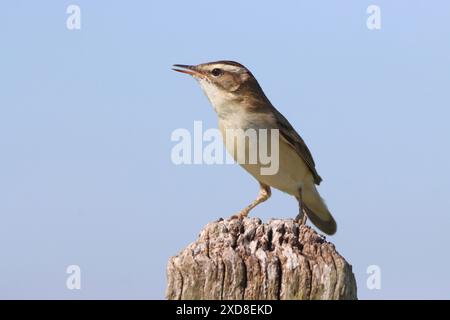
<point>86,116</point>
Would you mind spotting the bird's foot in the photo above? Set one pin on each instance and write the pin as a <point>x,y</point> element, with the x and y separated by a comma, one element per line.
<point>242,214</point>
<point>301,218</point>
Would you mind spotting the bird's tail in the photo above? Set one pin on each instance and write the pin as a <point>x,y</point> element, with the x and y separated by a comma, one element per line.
<point>317,211</point>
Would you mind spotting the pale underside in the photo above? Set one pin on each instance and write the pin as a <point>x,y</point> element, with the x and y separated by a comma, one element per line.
<point>292,174</point>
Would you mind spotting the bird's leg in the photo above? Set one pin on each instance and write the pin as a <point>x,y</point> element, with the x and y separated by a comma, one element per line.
<point>264,194</point>
<point>301,217</point>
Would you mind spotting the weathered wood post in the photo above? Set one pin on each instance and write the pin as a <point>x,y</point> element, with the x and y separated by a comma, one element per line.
<point>248,259</point>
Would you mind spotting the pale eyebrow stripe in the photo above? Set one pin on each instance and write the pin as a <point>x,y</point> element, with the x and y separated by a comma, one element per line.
<point>228,67</point>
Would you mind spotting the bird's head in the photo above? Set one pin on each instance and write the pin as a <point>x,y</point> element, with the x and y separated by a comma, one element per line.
<point>223,81</point>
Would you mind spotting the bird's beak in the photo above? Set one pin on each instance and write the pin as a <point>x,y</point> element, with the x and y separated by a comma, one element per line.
<point>191,70</point>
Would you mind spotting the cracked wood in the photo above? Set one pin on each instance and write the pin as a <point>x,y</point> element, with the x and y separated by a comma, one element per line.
<point>248,259</point>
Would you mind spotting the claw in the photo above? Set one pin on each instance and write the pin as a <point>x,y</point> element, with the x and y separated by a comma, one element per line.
<point>240,215</point>
<point>301,218</point>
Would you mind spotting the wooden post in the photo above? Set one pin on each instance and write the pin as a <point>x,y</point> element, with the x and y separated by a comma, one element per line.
<point>248,259</point>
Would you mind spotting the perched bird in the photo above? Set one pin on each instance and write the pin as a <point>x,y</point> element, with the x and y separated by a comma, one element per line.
<point>240,103</point>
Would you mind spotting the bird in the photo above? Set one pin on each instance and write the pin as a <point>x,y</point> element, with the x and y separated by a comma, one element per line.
<point>240,103</point>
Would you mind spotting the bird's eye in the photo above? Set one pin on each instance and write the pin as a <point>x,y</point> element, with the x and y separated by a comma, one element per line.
<point>216,72</point>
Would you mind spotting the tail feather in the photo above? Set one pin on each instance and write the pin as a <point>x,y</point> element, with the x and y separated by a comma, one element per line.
<point>317,211</point>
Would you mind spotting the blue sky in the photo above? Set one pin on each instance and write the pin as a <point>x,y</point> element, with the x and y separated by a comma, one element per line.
<point>86,117</point>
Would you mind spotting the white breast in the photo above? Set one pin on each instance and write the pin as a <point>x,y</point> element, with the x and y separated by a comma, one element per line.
<point>219,99</point>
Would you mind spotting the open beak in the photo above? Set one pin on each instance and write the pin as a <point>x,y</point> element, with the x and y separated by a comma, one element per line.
<point>191,70</point>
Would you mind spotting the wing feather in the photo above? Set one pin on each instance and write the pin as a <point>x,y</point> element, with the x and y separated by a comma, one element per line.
<point>289,134</point>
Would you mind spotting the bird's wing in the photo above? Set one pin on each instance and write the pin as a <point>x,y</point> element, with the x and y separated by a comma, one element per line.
<point>289,134</point>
